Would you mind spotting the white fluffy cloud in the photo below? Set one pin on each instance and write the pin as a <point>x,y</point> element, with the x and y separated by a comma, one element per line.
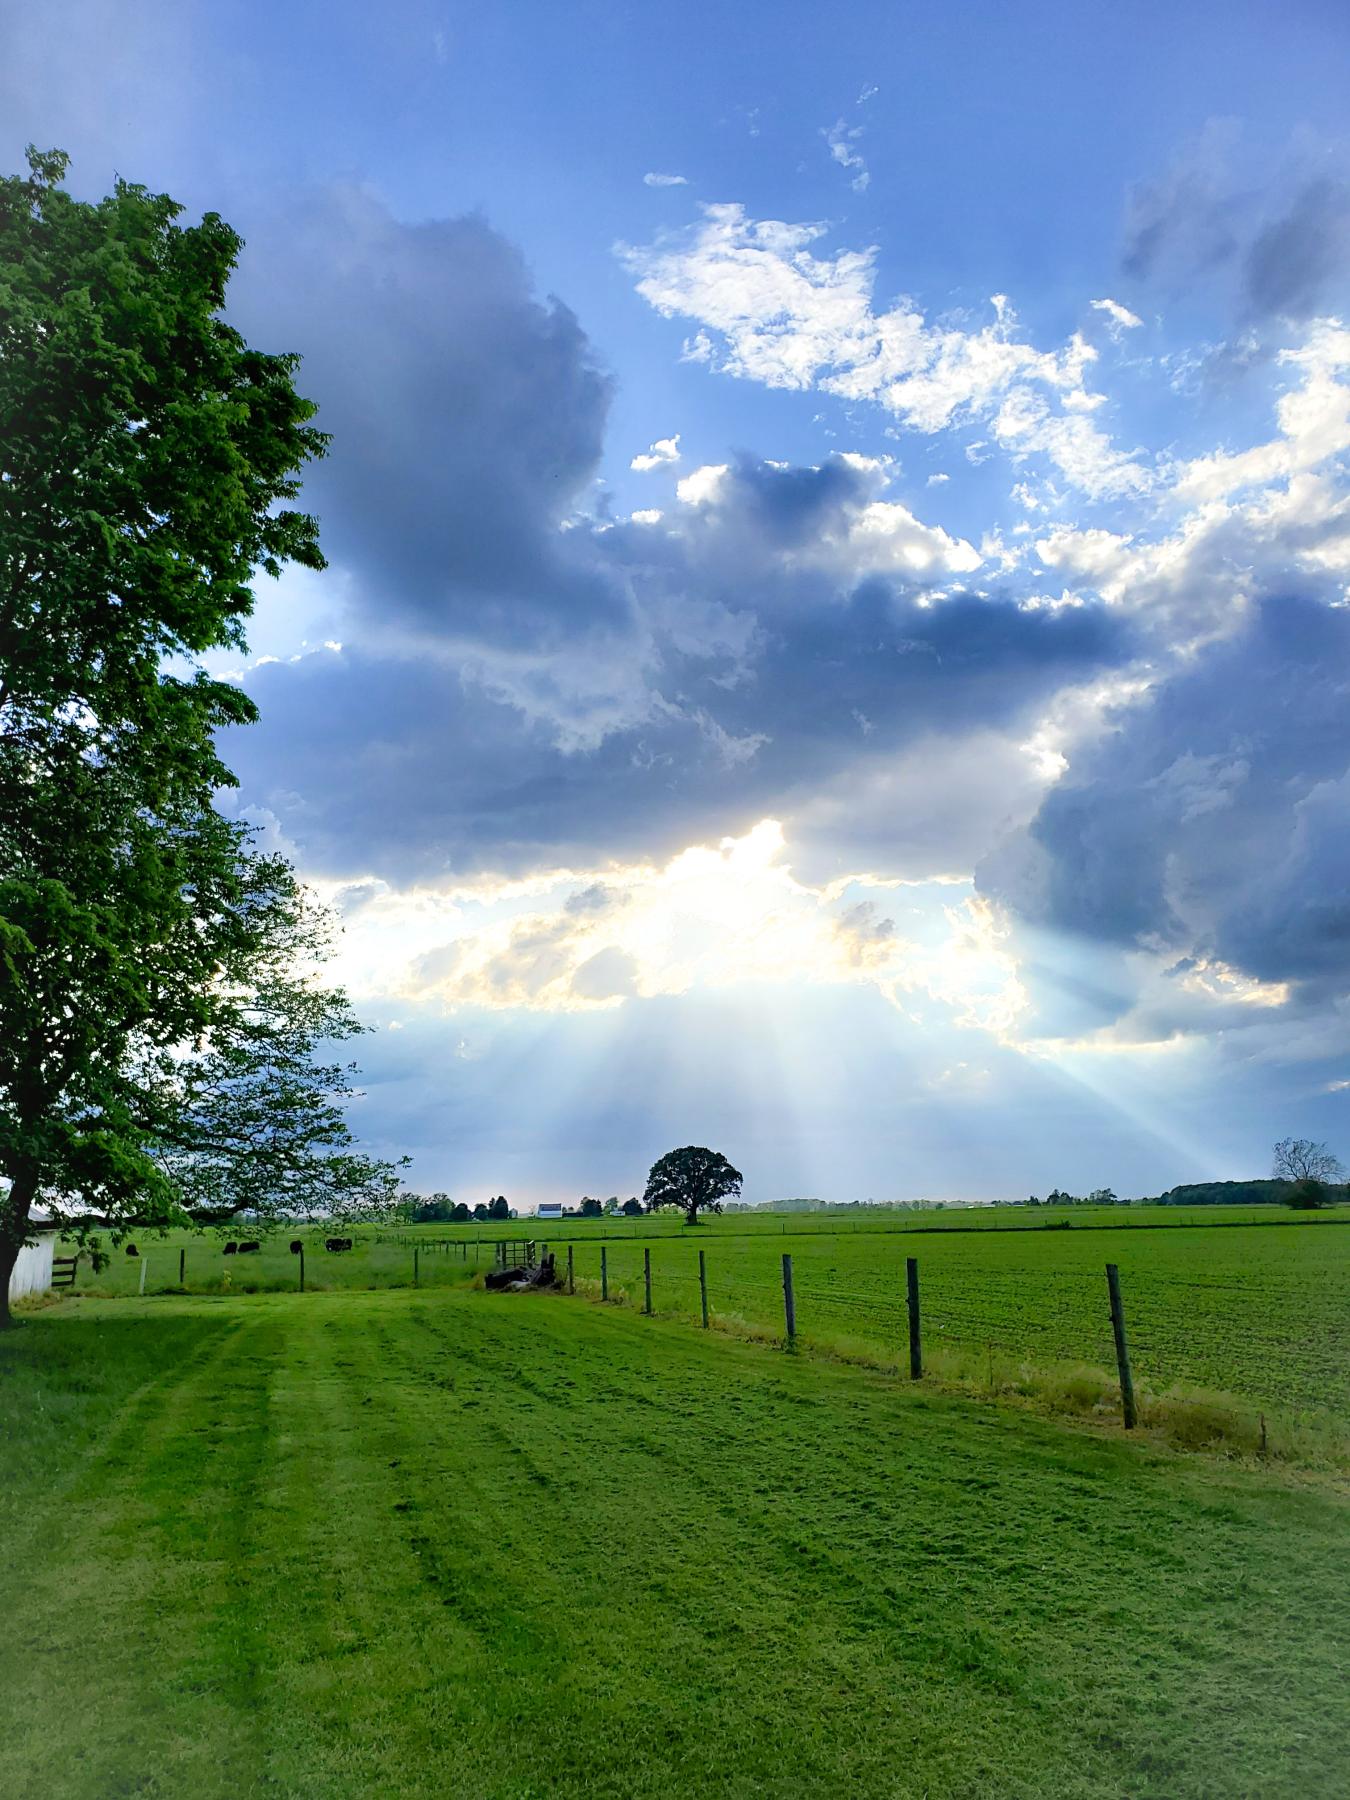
<point>1118,318</point>
<point>1313,416</point>
<point>701,487</point>
<point>1250,522</point>
<point>790,318</point>
<point>664,450</point>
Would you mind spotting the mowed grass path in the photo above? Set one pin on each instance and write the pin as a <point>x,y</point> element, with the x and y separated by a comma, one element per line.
<point>455,1543</point>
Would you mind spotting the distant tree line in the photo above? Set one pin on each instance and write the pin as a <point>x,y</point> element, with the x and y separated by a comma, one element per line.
<point>440,1209</point>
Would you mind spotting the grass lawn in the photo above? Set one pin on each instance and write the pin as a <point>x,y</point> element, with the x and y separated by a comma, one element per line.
<point>452,1543</point>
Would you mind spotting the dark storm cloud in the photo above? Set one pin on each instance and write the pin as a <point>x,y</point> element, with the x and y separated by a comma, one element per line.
<point>467,416</point>
<point>784,507</point>
<point>1215,820</point>
<point>377,762</point>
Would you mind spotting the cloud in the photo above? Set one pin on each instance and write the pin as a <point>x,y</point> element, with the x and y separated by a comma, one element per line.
<point>1270,519</point>
<point>524,683</point>
<point>1275,238</point>
<point>467,417</point>
<point>723,915</point>
<point>1301,256</point>
<point>1209,828</point>
<point>121,89</point>
<point>1119,318</point>
<point>664,450</point>
<point>1185,222</point>
<point>653,179</point>
<point>789,318</point>
<point>700,487</point>
<point>1314,421</point>
<point>842,140</point>
<point>771,614</point>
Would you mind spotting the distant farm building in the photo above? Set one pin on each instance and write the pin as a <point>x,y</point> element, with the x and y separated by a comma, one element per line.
<point>551,1209</point>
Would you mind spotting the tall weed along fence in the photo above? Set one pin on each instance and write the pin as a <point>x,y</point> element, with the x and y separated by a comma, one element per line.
<point>1085,1342</point>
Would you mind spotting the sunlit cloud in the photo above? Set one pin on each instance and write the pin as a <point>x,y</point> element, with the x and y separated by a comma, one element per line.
<point>714,917</point>
<point>664,450</point>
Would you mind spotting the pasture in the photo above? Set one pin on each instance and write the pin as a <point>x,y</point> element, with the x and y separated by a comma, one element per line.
<point>456,1543</point>
<point>1229,1318</point>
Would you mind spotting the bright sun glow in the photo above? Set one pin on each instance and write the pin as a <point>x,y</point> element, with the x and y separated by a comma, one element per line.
<point>715,917</point>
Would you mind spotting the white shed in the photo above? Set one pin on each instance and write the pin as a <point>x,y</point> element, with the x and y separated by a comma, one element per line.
<point>551,1209</point>
<point>33,1270</point>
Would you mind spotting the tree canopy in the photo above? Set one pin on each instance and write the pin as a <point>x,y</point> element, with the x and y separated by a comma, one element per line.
<point>694,1179</point>
<point>160,1004</point>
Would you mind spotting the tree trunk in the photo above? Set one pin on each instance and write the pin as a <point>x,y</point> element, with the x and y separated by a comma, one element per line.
<point>14,1212</point>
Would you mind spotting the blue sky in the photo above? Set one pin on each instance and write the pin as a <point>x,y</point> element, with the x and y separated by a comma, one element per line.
<point>835,642</point>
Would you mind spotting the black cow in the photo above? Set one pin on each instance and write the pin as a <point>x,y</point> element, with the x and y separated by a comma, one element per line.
<point>336,1244</point>
<point>244,1249</point>
<point>230,1249</point>
<point>132,1250</point>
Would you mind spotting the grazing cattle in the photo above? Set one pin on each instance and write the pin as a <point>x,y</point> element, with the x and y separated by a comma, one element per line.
<point>244,1249</point>
<point>132,1250</point>
<point>336,1244</point>
<point>296,1246</point>
<point>230,1249</point>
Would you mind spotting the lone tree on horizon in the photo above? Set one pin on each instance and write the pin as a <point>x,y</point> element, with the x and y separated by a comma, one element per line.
<point>1300,1159</point>
<point>692,1179</point>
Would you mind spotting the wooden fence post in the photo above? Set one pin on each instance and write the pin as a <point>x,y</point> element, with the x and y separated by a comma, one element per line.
<point>647,1279</point>
<point>571,1284</point>
<point>182,1267</point>
<point>912,1303</point>
<point>1122,1348</point>
<point>604,1273</point>
<point>703,1286</point>
<point>417,1265</point>
<point>302,1268</point>
<point>789,1300</point>
<point>145,1264</point>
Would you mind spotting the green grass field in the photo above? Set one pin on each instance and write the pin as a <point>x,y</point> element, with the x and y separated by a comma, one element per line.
<point>454,1543</point>
<point>1229,1316</point>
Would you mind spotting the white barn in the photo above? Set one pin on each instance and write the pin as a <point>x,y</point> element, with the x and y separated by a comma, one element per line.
<point>551,1209</point>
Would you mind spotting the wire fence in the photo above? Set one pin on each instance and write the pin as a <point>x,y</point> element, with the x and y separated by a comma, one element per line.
<point>1212,1359</point>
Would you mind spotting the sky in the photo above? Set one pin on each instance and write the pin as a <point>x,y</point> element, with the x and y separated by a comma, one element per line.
<point>835,643</point>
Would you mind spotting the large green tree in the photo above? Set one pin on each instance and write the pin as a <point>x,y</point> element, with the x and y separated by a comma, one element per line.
<point>694,1179</point>
<point>159,1012</point>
